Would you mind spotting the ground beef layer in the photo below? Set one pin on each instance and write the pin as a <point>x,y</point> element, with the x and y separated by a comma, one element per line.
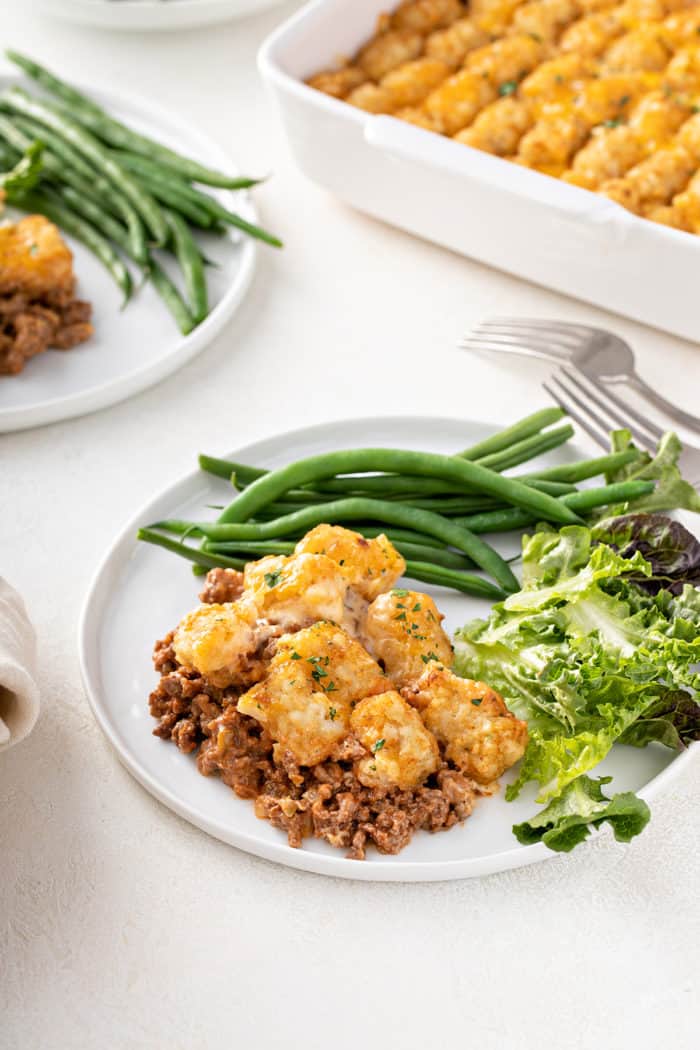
<point>326,800</point>
<point>30,324</point>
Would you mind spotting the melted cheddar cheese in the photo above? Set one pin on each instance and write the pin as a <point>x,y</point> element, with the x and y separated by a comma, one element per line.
<point>598,93</point>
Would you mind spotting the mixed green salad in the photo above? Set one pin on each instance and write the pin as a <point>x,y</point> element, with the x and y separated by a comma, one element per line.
<point>600,646</point>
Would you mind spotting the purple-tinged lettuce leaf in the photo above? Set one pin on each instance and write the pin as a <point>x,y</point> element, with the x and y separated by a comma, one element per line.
<point>674,720</point>
<point>670,549</point>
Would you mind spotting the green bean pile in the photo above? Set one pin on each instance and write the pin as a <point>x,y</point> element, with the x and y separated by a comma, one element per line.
<point>432,507</point>
<point>120,193</point>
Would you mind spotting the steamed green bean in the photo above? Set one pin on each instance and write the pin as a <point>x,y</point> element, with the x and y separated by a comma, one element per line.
<point>192,265</point>
<point>377,510</point>
<point>427,464</point>
<point>504,439</point>
<point>92,116</point>
<point>86,144</point>
<point>528,448</point>
<point>586,500</point>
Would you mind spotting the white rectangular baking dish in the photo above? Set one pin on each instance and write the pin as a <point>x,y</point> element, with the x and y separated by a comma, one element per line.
<point>517,220</point>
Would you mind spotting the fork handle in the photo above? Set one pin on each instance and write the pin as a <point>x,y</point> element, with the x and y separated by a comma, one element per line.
<point>676,414</point>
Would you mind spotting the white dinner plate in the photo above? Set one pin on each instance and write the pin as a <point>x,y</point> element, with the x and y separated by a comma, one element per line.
<point>140,592</point>
<point>160,15</point>
<point>134,347</point>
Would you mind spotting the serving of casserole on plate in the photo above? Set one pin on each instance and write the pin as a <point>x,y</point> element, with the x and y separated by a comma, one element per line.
<point>498,118</point>
<point>322,691</point>
<point>205,695</point>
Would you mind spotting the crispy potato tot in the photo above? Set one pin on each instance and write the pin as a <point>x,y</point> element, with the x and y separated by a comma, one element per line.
<point>471,720</point>
<point>306,699</point>
<point>402,752</point>
<point>403,632</point>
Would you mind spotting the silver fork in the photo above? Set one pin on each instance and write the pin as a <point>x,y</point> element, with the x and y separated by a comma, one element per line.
<point>595,413</point>
<point>599,355</point>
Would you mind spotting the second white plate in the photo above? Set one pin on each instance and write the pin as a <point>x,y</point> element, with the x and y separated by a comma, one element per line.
<point>139,594</point>
<point>139,345</point>
<point>157,15</point>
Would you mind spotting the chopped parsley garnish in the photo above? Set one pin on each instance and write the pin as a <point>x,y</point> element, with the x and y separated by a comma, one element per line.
<point>477,701</point>
<point>399,592</point>
<point>295,655</point>
<point>378,745</point>
<point>331,687</point>
<point>508,87</point>
<point>417,607</point>
<point>400,616</point>
<point>272,578</point>
<point>426,658</point>
<point>624,100</point>
<point>614,123</point>
<point>318,673</point>
<point>332,713</point>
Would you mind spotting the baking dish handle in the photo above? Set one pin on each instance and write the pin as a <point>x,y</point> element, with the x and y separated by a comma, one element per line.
<point>408,142</point>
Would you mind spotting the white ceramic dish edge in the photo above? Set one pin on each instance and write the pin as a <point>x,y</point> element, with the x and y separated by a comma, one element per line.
<point>398,871</point>
<point>474,203</point>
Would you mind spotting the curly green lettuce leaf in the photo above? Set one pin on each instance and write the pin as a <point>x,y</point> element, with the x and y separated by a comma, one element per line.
<point>566,568</point>
<point>568,819</point>
<point>550,557</point>
<point>672,492</point>
<point>670,549</point>
<point>585,656</point>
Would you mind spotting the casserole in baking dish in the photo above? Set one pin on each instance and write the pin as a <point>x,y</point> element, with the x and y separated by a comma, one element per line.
<point>512,216</point>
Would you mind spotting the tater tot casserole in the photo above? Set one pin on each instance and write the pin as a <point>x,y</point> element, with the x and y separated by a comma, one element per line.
<point>313,686</point>
<point>603,95</point>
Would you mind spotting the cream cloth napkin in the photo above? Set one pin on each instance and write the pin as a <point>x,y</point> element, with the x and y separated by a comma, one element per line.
<point>19,695</point>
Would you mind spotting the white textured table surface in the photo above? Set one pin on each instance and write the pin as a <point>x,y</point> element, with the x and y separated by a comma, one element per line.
<point>123,927</point>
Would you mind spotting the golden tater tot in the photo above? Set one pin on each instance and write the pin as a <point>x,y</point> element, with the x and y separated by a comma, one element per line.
<point>388,51</point>
<point>426,15</point>
<point>339,83</point>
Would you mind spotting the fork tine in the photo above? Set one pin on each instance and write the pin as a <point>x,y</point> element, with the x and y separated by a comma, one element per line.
<point>579,413</point>
<point>525,331</point>
<point>527,336</point>
<point>564,327</point>
<point>541,346</point>
<point>654,432</point>
<point>647,441</point>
